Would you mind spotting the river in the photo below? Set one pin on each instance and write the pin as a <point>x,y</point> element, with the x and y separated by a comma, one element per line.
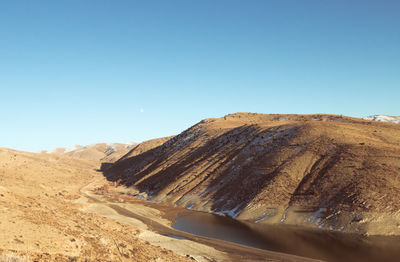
<point>329,246</point>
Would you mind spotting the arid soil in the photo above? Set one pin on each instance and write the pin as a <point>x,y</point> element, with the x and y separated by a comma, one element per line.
<point>325,171</point>
<point>43,215</point>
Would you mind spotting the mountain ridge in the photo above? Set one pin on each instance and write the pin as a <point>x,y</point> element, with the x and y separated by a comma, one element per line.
<point>103,152</point>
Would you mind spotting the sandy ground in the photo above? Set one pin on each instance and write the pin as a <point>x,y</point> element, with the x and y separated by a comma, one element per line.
<point>41,217</point>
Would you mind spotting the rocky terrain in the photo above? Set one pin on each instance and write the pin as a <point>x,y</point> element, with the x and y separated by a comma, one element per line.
<point>326,171</point>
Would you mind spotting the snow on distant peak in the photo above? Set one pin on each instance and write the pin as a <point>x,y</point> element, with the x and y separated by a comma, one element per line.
<point>71,148</point>
<point>111,148</point>
<point>51,151</point>
<point>384,118</point>
<point>130,144</point>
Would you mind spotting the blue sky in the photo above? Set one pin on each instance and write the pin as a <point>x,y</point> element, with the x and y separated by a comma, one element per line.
<point>81,72</point>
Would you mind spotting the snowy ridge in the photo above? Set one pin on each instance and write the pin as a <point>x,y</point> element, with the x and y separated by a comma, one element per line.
<point>383,118</point>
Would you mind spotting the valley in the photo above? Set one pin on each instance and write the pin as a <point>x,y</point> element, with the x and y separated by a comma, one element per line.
<point>263,182</point>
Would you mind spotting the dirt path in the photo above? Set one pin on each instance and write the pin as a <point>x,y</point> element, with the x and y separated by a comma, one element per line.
<point>157,230</point>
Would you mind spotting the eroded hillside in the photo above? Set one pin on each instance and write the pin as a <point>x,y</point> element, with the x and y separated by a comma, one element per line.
<point>327,171</point>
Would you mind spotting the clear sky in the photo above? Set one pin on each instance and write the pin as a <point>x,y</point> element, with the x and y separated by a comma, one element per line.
<point>81,72</point>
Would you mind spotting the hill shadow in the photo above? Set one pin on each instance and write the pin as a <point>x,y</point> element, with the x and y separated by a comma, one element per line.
<point>219,177</point>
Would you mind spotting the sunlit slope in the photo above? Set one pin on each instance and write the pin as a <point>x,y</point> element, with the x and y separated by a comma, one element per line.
<point>324,170</point>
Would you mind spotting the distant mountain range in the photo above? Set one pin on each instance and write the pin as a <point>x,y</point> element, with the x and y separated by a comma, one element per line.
<point>104,152</point>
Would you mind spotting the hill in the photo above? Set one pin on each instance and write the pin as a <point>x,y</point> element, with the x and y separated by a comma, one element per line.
<point>145,146</point>
<point>326,171</point>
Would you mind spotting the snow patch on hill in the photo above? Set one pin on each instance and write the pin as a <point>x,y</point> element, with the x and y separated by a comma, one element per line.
<point>384,118</point>
<point>111,148</point>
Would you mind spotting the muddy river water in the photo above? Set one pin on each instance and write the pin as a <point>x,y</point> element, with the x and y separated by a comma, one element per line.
<point>329,246</point>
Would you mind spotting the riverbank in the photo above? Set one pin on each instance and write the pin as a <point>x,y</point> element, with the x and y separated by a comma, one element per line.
<point>281,238</point>
<point>155,221</point>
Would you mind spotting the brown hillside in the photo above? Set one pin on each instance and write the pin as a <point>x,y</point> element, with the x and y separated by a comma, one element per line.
<point>45,217</point>
<point>329,171</point>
